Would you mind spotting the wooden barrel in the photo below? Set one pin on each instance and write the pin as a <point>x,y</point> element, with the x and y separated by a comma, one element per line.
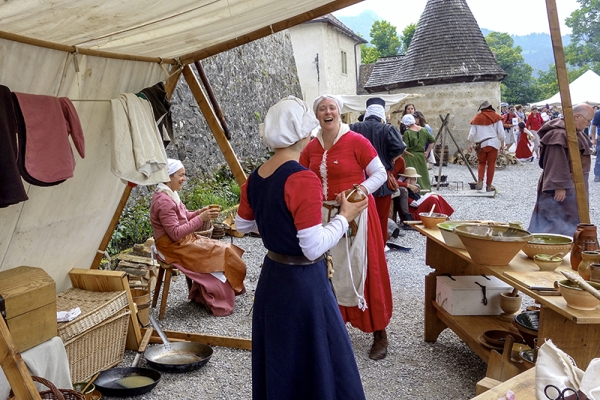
<point>141,298</point>
<point>436,153</point>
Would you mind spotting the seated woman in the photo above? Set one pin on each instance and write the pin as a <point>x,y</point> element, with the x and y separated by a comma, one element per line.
<point>409,204</point>
<point>216,267</point>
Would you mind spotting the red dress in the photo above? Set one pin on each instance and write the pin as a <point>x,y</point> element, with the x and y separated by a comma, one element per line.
<point>345,164</point>
<point>523,150</point>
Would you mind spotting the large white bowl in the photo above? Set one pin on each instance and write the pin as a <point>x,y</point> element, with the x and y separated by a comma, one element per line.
<point>451,238</point>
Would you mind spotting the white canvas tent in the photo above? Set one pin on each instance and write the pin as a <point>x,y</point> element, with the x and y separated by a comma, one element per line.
<point>91,51</point>
<point>585,89</point>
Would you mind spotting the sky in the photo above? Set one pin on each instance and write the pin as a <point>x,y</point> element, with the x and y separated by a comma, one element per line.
<point>516,17</point>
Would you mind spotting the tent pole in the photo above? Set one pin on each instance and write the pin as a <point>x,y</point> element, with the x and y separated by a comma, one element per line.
<point>213,98</point>
<point>567,111</point>
<point>215,127</point>
<point>170,88</point>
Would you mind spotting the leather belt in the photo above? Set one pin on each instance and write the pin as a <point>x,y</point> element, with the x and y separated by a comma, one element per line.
<point>292,260</point>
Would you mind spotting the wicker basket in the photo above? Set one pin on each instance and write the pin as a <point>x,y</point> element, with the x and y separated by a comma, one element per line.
<point>53,393</point>
<point>98,348</point>
<point>95,307</point>
<point>207,233</point>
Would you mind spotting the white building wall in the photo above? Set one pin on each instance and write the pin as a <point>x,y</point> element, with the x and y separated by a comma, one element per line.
<point>460,100</point>
<point>311,39</point>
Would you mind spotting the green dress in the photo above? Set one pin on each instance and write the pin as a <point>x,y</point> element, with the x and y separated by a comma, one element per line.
<point>415,144</point>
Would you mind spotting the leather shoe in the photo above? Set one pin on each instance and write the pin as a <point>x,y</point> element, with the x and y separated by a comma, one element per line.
<point>380,345</point>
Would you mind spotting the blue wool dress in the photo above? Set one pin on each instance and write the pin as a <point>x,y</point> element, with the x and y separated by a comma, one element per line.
<point>300,346</point>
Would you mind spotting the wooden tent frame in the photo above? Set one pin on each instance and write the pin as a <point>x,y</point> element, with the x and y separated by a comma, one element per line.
<point>10,358</point>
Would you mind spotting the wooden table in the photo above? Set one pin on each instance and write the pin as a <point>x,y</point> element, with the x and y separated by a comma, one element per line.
<point>575,332</point>
<point>523,385</point>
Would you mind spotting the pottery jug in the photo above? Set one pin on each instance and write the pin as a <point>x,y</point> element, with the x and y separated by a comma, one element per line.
<point>584,239</point>
<point>587,259</point>
<point>355,194</point>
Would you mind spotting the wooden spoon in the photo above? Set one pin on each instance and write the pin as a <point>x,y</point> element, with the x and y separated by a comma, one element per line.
<point>431,212</point>
<point>583,284</point>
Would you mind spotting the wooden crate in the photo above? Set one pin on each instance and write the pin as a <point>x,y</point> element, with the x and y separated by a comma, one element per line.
<point>29,295</point>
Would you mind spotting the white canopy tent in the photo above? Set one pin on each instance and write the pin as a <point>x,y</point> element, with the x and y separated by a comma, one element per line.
<point>585,89</point>
<point>90,52</point>
<point>357,103</point>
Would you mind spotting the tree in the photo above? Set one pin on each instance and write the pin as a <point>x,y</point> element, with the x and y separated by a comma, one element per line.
<point>585,39</point>
<point>519,84</point>
<point>368,54</point>
<point>547,81</point>
<point>385,38</point>
<point>407,35</point>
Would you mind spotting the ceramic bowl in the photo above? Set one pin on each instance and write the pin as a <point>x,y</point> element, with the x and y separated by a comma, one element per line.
<point>527,323</point>
<point>510,304</point>
<point>528,357</point>
<point>576,297</point>
<point>547,243</point>
<point>451,238</point>
<point>497,337</point>
<point>493,245</point>
<point>546,262</point>
<point>595,272</point>
<point>430,222</point>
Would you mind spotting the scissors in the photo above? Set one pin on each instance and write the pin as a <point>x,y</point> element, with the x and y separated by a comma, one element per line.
<point>560,394</point>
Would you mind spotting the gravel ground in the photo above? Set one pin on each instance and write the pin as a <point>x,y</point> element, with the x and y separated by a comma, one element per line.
<point>446,369</point>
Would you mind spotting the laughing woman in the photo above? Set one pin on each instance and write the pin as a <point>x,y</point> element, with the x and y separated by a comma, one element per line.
<point>342,158</point>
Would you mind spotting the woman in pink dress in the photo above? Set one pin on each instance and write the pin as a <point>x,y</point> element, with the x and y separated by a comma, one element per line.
<point>341,159</point>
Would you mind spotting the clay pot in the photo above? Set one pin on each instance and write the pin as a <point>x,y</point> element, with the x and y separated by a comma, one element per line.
<point>587,259</point>
<point>355,194</point>
<point>584,239</point>
<point>595,273</point>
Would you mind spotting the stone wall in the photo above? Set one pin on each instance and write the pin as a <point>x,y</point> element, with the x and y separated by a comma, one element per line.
<point>246,81</point>
<point>461,100</point>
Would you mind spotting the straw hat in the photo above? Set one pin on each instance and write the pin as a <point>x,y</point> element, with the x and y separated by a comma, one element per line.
<point>410,172</point>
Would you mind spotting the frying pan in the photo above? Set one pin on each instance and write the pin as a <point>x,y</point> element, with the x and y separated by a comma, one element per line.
<point>107,384</point>
<point>176,357</point>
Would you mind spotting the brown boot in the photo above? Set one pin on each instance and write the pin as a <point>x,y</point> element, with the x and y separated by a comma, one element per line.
<point>380,344</point>
<point>479,185</point>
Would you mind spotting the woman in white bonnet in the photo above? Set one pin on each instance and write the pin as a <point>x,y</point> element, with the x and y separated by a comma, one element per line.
<point>216,267</point>
<point>300,346</point>
<point>342,158</point>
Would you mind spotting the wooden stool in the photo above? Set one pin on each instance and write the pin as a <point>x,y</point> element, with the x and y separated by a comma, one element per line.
<point>165,271</point>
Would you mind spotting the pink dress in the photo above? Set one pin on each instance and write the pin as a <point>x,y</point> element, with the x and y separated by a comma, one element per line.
<point>345,164</point>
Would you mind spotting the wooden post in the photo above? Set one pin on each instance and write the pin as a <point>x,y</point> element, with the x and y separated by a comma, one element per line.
<point>214,125</point>
<point>170,88</point>
<point>14,367</point>
<point>567,111</point>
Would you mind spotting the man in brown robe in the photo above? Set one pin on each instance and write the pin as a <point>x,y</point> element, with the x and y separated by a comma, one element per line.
<point>556,206</point>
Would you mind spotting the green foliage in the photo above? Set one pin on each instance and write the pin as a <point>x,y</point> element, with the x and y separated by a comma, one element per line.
<point>519,85</point>
<point>407,35</point>
<point>257,116</point>
<point>385,38</point>
<point>133,227</point>
<point>547,82</point>
<point>368,54</point>
<point>585,38</point>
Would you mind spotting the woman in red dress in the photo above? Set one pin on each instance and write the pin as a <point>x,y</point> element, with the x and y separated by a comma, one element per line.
<point>523,151</point>
<point>342,158</point>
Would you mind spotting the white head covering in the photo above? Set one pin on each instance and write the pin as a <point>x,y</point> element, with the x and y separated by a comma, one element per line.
<point>408,120</point>
<point>377,110</point>
<point>319,99</point>
<point>287,122</point>
<point>173,165</point>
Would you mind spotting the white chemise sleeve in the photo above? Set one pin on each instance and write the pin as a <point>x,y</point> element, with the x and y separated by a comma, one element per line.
<point>316,240</point>
<point>244,226</point>
<point>377,175</point>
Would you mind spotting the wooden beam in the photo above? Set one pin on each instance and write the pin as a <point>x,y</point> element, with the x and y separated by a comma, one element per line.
<point>210,340</point>
<point>266,31</point>
<point>567,111</point>
<point>214,125</point>
<point>14,367</point>
<point>81,50</point>
<point>170,88</point>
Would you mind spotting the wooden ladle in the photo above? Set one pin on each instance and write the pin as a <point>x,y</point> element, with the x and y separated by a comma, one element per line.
<point>583,284</point>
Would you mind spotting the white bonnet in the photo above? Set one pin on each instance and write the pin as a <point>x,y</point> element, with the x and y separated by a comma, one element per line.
<point>173,165</point>
<point>319,99</point>
<point>408,120</point>
<point>287,122</point>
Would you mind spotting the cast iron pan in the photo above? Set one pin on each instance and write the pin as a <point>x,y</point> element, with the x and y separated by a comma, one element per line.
<point>176,357</point>
<point>106,384</point>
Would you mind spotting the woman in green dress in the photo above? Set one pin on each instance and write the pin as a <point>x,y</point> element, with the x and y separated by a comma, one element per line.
<point>418,141</point>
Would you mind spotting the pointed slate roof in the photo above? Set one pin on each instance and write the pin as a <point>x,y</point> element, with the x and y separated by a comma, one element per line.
<point>448,47</point>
